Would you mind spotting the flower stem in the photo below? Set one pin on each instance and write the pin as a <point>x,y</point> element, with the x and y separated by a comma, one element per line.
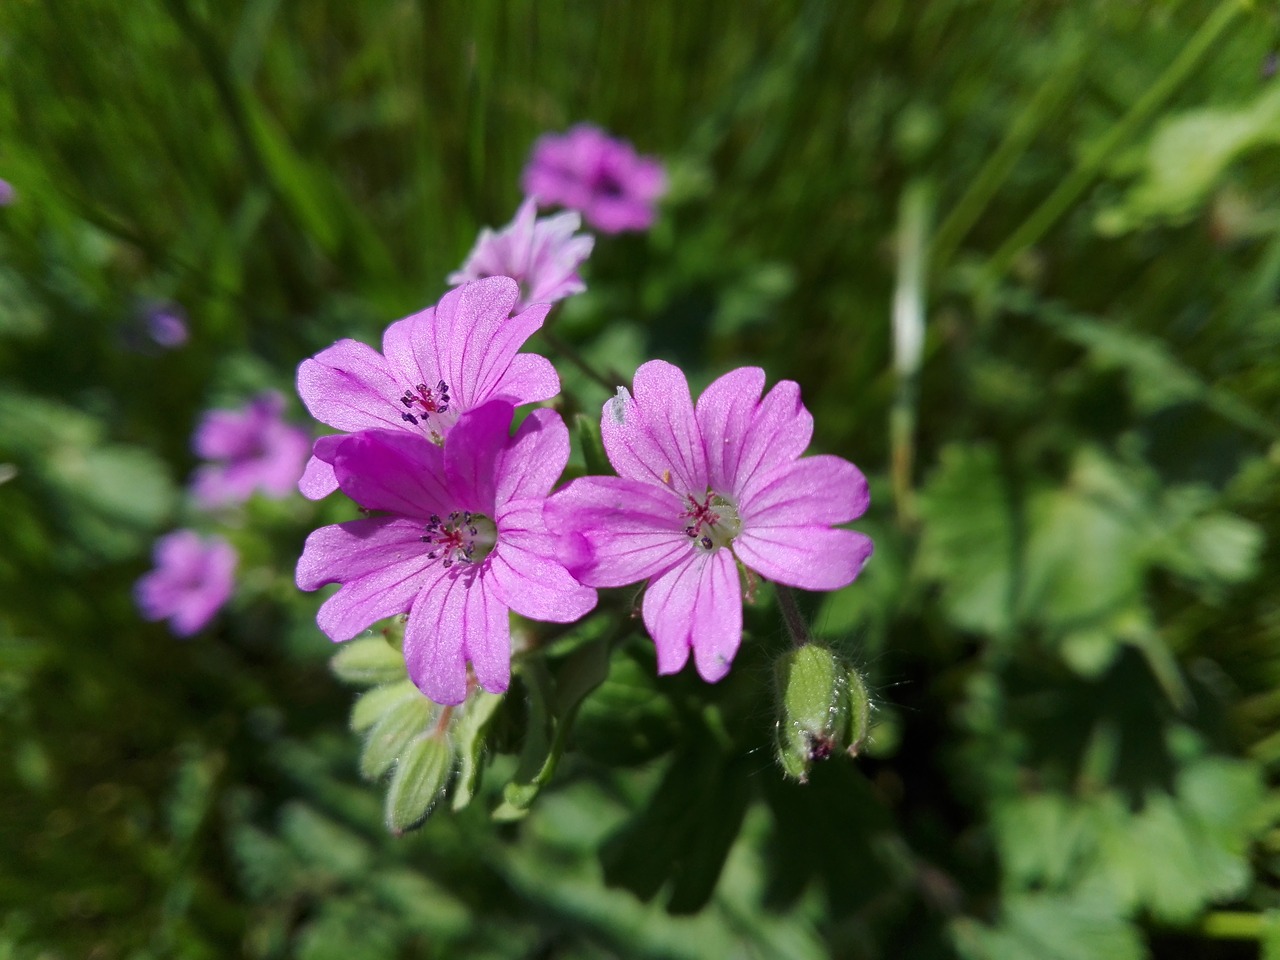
<point>570,353</point>
<point>908,337</point>
<point>791,615</point>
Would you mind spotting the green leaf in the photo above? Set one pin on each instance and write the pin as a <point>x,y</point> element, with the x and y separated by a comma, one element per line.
<point>372,705</point>
<point>419,780</point>
<point>593,455</point>
<point>468,734</point>
<point>391,735</point>
<point>368,661</point>
<point>967,538</point>
<point>1051,927</point>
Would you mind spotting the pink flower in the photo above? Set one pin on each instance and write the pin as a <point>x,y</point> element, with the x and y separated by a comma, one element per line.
<point>585,169</point>
<point>700,491</point>
<point>191,581</point>
<point>434,366</point>
<point>252,449</point>
<point>7,194</point>
<point>542,255</point>
<point>460,544</point>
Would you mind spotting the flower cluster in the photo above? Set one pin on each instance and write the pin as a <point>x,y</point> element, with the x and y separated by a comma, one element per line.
<point>461,524</point>
<point>247,451</point>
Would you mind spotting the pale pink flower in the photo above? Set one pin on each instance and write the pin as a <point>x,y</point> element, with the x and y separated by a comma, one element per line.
<point>460,542</point>
<point>542,254</point>
<point>700,491</point>
<point>192,579</point>
<point>585,169</point>
<point>434,366</point>
<point>252,449</point>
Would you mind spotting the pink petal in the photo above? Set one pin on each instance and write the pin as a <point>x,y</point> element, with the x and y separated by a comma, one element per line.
<point>454,619</point>
<point>654,437</point>
<point>318,479</point>
<point>696,605</point>
<point>525,573</point>
<point>381,564</point>
<point>350,387</point>
<point>780,431</point>
<point>482,339</point>
<point>725,412</point>
<point>534,458</point>
<point>819,490</point>
<point>472,454</point>
<point>410,346</point>
<point>811,558</point>
<point>529,379</point>
<point>613,531</point>
<point>393,470</point>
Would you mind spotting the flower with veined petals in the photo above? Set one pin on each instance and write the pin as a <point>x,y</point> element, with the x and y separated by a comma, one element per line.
<point>542,254</point>
<point>192,579</point>
<point>460,543</point>
<point>585,169</point>
<point>700,491</point>
<point>434,366</point>
<point>252,449</point>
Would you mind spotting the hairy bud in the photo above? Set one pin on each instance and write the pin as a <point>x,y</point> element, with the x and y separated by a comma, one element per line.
<point>823,706</point>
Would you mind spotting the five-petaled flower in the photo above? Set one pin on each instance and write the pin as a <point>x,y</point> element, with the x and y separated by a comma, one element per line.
<point>434,366</point>
<point>585,169</point>
<point>251,449</point>
<point>191,581</point>
<point>701,491</point>
<point>460,542</point>
<point>540,254</point>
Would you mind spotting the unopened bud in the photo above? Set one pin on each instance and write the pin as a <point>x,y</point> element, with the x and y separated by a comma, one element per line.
<point>824,708</point>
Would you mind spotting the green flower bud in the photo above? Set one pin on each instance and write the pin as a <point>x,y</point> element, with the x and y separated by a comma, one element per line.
<point>824,708</point>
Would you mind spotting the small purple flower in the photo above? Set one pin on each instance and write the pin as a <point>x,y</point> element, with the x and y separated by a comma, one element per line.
<point>701,491</point>
<point>585,169</point>
<point>434,366</point>
<point>191,581</point>
<point>460,543</point>
<point>542,255</point>
<point>7,194</point>
<point>166,325</point>
<point>252,449</point>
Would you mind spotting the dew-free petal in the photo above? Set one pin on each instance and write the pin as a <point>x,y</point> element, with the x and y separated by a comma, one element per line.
<point>653,435</point>
<point>696,606</point>
<point>811,558</point>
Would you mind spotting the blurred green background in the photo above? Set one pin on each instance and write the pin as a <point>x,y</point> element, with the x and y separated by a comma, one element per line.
<point>1071,623</point>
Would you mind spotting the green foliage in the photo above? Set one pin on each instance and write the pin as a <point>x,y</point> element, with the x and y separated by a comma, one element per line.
<point>1069,633</point>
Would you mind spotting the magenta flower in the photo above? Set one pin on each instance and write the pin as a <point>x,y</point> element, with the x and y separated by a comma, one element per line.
<point>460,543</point>
<point>585,169</point>
<point>191,581</point>
<point>542,255</point>
<point>252,449</point>
<point>434,366</point>
<point>166,325</point>
<point>7,193</point>
<point>700,491</point>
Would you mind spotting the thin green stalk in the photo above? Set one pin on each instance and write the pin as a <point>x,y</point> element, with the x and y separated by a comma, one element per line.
<point>792,616</point>
<point>1233,925</point>
<point>908,338</point>
<point>995,171</point>
<point>1058,202</point>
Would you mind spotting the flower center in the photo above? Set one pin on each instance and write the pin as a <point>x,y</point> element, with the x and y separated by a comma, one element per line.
<point>713,520</point>
<point>428,407</point>
<point>463,538</point>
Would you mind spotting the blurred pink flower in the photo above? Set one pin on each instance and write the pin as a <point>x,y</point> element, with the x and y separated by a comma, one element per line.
<point>252,449</point>
<point>585,169</point>
<point>541,254</point>
<point>701,491</point>
<point>191,581</point>
<point>7,194</point>
<point>460,543</point>
<point>434,366</point>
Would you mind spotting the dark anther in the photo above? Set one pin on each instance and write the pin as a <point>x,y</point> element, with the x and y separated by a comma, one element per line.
<point>706,542</point>
<point>690,531</point>
<point>409,418</point>
<point>435,519</point>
